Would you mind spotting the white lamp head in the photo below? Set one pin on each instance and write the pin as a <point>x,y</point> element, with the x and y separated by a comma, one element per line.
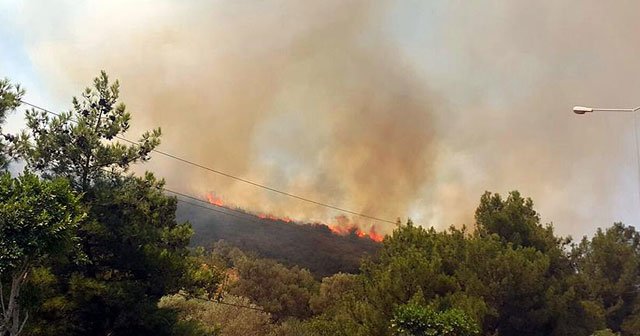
<point>582,109</point>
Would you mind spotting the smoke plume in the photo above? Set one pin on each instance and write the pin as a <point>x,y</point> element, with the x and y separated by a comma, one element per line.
<point>391,109</point>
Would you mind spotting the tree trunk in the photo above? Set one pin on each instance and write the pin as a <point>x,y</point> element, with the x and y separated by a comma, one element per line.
<point>11,325</point>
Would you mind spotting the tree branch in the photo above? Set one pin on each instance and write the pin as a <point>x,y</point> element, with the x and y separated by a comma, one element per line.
<point>4,310</point>
<point>24,322</point>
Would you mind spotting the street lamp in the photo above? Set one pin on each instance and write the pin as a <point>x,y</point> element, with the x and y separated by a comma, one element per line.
<point>583,109</point>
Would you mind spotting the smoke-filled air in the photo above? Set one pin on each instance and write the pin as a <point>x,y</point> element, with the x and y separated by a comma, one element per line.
<point>393,109</point>
<point>319,167</point>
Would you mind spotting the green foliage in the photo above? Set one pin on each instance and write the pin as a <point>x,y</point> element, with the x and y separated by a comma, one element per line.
<point>38,220</point>
<point>136,254</point>
<point>10,99</point>
<point>213,318</point>
<point>609,270</point>
<point>135,218</point>
<point>513,276</point>
<point>414,264</point>
<point>89,250</point>
<point>78,144</point>
<point>204,274</point>
<point>10,96</point>
<point>311,327</point>
<point>283,292</point>
<point>333,290</point>
<point>514,220</point>
<point>414,320</point>
<point>136,251</point>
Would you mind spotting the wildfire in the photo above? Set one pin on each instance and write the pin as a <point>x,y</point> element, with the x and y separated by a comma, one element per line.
<point>215,200</point>
<point>372,234</point>
<point>342,226</point>
<point>375,235</point>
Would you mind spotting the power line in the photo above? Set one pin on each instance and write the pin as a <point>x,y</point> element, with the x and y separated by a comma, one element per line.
<point>212,209</point>
<point>210,204</point>
<point>204,206</point>
<point>237,178</point>
<point>271,188</point>
<point>40,108</point>
<point>207,205</point>
<point>225,208</point>
<point>193,204</point>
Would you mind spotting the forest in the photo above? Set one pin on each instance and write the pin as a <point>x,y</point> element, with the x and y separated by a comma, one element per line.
<point>89,248</point>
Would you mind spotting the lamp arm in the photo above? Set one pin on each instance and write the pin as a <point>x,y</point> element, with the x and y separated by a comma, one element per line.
<point>597,109</point>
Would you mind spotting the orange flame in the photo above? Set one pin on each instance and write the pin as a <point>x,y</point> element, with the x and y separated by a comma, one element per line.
<point>375,236</point>
<point>215,200</point>
<point>343,227</point>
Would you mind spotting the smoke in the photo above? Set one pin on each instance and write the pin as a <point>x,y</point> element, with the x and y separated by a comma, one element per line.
<point>392,109</point>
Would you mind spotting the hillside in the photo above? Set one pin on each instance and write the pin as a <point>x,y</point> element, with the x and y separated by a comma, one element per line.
<point>311,246</point>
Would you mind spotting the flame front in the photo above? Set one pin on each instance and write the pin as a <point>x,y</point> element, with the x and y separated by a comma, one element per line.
<point>374,235</point>
<point>342,225</point>
<point>215,200</point>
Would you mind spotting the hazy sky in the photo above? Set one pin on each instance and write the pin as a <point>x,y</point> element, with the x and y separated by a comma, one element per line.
<point>394,108</point>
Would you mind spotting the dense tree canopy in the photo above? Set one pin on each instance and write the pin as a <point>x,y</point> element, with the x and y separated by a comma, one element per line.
<point>609,270</point>
<point>135,250</point>
<point>282,291</point>
<point>38,221</point>
<point>414,320</point>
<point>511,276</point>
<point>236,317</point>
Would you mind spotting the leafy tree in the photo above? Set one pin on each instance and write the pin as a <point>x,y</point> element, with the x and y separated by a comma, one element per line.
<point>609,267</point>
<point>512,275</point>
<point>38,221</point>
<point>316,326</point>
<point>78,144</point>
<point>414,320</point>
<point>333,290</point>
<point>10,96</point>
<point>515,284</point>
<point>514,220</point>
<point>295,327</point>
<point>138,254</point>
<point>415,264</point>
<point>283,292</point>
<point>136,251</point>
<point>214,318</point>
<point>339,306</point>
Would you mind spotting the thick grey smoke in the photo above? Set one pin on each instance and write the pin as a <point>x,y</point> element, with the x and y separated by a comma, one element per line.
<point>389,108</point>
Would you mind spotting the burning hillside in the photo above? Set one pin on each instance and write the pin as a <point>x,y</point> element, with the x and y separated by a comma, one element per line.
<point>341,225</point>
<point>322,249</point>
